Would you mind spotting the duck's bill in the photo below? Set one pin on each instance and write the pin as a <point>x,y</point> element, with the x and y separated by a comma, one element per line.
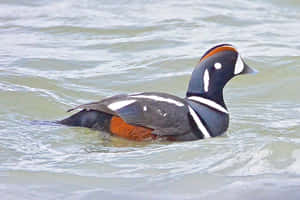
<point>249,70</point>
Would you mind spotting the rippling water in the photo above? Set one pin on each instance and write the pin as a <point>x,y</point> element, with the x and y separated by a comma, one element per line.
<point>57,54</point>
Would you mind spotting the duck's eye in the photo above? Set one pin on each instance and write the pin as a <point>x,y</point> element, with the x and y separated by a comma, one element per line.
<point>218,66</point>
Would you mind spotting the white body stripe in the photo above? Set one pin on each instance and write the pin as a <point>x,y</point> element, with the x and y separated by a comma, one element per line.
<point>209,103</point>
<point>206,80</point>
<point>158,98</point>
<point>120,104</point>
<point>239,65</point>
<point>200,125</point>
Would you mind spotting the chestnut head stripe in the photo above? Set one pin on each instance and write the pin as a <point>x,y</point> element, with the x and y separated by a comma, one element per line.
<point>217,50</point>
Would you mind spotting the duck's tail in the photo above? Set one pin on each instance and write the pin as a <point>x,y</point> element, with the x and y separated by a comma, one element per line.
<point>90,119</point>
<point>106,122</point>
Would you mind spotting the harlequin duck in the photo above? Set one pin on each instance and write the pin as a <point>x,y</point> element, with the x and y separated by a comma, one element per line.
<point>201,114</point>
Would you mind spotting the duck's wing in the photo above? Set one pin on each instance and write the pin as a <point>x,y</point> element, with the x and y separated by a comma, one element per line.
<point>165,114</point>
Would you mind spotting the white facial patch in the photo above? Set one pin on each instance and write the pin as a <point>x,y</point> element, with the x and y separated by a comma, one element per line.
<point>206,80</point>
<point>145,108</point>
<point>239,65</point>
<point>218,66</point>
<point>120,104</point>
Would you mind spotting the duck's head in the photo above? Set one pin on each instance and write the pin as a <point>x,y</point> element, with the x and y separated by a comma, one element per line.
<point>216,67</point>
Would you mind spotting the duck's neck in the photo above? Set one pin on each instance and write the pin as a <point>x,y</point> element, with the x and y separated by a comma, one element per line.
<point>214,91</point>
<point>216,96</point>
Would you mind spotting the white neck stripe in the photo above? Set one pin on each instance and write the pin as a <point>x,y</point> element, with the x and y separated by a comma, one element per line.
<point>200,125</point>
<point>209,103</point>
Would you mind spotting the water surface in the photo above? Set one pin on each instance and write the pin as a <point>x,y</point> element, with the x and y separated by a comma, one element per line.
<point>58,54</point>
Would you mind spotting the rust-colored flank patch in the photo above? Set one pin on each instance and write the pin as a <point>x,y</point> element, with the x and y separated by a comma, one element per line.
<point>120,128</point>
<point>217,50</point>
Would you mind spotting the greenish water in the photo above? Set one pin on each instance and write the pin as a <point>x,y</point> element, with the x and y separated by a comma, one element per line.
<point>58,54</point>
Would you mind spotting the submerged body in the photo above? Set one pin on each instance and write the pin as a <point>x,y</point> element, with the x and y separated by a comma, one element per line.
<point>201,114</point>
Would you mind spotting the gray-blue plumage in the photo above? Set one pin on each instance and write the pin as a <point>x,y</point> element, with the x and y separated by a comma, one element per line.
<point>201,114</point>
